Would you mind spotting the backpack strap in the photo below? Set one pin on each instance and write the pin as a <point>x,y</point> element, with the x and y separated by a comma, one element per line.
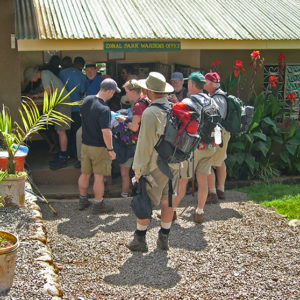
<point>163,165</point>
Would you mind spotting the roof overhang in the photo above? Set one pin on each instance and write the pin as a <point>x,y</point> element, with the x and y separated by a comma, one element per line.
<point>94,44</point>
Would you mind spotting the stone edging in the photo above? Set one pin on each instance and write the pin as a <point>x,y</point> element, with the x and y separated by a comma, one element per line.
<point>49,271</point>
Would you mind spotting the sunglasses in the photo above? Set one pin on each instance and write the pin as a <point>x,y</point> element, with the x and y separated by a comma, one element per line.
<point>132,84</point>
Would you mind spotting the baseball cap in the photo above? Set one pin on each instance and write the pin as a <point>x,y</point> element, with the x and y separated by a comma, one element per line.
<point>213,77</point>
<point>29,73</point>
<point>110,84</point>
<point>90,64</point>
<point>197,77</point>
<point>177,76</point>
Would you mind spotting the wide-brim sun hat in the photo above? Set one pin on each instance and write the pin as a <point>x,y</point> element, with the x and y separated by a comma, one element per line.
<point>156,82</point>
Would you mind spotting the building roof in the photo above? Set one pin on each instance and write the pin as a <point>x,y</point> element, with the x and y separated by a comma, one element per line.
<point>158,19</point>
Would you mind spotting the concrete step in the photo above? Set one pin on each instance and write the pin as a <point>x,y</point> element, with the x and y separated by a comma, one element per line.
<point>69,191</point>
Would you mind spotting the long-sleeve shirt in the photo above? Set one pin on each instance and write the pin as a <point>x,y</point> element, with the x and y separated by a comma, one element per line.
<point>152,127</point>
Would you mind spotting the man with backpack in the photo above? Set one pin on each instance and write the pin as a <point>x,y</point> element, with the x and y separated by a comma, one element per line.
<point>212,86</point>
<point>145,162</point>
<point>203,156</point>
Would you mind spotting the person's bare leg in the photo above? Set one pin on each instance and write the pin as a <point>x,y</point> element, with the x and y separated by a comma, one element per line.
<point>98,186</point>
<point>211,178</point>
<point>83,183</point>
<point>202,190</point>
<point>180,191</point>
<point>221,176</point>
<point>63,140</point>
<point>125,179</point>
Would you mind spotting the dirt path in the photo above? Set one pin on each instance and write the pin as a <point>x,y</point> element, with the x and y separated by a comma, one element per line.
<point>241,251</point>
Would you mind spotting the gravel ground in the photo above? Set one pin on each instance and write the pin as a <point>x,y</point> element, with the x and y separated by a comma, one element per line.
<point>241,251</point>
<point>35,276</point>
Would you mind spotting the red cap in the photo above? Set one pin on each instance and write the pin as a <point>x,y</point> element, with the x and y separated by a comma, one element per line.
<point>213,77</point>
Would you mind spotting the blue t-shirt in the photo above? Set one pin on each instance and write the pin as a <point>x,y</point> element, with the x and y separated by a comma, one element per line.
<point>92,87</point>
<point>95,116</point>
<point>76,79</point>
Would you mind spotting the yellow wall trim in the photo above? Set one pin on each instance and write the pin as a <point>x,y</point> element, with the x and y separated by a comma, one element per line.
<point>92,44</point>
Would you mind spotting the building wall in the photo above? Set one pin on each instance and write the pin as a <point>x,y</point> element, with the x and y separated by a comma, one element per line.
<point>195,58</point>
<point>228,57</point>
<point>10,76</point>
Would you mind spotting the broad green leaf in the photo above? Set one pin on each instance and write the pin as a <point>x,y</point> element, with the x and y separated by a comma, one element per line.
<point>262,147</point>
<point>237,145</point>
<point>260,135</point>
<point>284,156</point>
<point>291,148</point>
<point>277,139</point>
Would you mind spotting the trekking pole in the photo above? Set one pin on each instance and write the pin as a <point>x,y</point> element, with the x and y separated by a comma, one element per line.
<point>42,197</point>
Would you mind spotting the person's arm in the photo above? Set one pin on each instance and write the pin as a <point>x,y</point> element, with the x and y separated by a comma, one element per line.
<point>107,137</point>
<point>135,123</point>
<point>41,95</point>
<point>145,144</point>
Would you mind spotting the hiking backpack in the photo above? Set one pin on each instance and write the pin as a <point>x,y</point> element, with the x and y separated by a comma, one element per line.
<point>211,118</point>
<point>238,117</point>
<point>189,122</point>
<point>181,135</point>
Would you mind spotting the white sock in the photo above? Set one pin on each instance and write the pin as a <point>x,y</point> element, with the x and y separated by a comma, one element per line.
<point>165,225</point>
<point>199,211</point>
<point>221,188</point>
<point>141,227</point>
<point>212,191</point>
<point>97,201</point>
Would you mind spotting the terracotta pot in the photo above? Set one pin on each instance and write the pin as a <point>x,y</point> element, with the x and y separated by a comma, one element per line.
<point>8,257</point>
<point>12,190</point>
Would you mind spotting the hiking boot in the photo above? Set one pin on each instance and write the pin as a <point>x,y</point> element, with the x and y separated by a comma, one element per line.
<point>198,218</point>
<point>163,241</point>
<point>83,202</point>
<point>101,208</point>
<point>211,198</point>
<point>138,243</point>
<point>220,194</point>
<point>174,215</point>
<point>60,161</point>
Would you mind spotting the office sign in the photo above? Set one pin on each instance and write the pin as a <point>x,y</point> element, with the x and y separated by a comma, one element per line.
<point>141,46</point>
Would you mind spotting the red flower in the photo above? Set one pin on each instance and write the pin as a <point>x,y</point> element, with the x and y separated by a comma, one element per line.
<point>273,80</point>
<point>287,124</point>
<point>255,55</point>
<point>238,67</point>
<point>216,62</point>
<point>291,97</point>
<point>281,58</point>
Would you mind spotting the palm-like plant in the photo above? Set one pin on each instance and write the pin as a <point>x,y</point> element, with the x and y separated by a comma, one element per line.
<point>32,121</point>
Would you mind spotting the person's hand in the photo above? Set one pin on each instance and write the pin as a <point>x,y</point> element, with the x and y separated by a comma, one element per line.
<point>173,98</point>
<point>112,155</point>
<point>121,118</point>
<point>33,97</point>
<point>137,179</point>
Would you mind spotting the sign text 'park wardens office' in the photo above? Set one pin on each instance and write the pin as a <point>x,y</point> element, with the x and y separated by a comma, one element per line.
<point>141,46</point>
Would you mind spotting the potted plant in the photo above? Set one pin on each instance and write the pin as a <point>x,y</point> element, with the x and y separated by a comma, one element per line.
<point>13,136</point>
<point>9,244</point>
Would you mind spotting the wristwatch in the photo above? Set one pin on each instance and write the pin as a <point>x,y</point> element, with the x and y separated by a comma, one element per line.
<point>112,149</point>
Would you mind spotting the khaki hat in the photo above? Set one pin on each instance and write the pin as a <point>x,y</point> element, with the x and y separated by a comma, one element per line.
<point>156,82</point>
<point>29,73</point>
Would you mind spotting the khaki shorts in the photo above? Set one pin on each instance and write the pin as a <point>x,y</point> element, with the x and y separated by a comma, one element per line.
<point>221,152</point>
<point>128,163</point>
<point>160,189</point>
<point>95,160</point>
<point>66,110</point>
<point>202,163</point>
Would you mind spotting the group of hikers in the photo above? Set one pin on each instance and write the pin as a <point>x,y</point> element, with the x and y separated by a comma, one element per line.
<point>170,135</point>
